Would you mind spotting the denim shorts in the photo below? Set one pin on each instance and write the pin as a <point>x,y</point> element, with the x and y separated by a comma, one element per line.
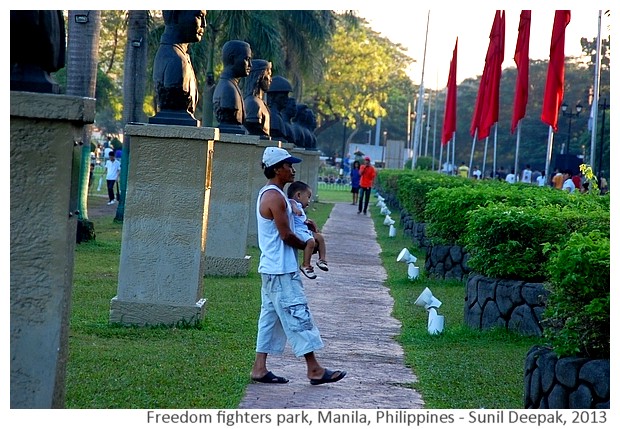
<point>285,315</point>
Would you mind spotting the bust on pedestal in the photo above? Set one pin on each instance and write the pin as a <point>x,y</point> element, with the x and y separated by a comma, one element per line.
<point>176,89</point>
<point>228,106</point>
<point>257,116</point>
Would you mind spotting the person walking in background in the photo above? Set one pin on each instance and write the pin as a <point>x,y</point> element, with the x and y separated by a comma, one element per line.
<point>355,181</point>
<point>112,173</point>
<point>541,180</point>
<point>557,179</point>
<point>367,179</point>
<point>511,177</point>
<point>463,170</point>
<point>299,194</point>
<point>526,174</point>
<point>284,313</point>
<point>568,184</point>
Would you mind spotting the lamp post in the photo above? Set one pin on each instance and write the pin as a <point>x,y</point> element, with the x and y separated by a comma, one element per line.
<point>344,140</point>
<point>570,115</point>
<point>603,106</point>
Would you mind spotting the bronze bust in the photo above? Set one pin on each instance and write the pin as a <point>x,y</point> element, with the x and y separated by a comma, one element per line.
<point>257,116</point>
<point>176,89</point>
<point>228,106</point>
<point>277,97</point>
<point>37,49</point>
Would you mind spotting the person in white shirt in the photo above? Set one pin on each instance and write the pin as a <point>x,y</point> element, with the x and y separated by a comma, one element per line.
<point>511,177</point>
<point>477,174</point>
<point>526,175</point>
<point>112,173</point>
<point>568,184</point>
<point>541,180</point>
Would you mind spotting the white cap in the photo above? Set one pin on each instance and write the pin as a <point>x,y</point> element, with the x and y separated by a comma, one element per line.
<point>273,155</point>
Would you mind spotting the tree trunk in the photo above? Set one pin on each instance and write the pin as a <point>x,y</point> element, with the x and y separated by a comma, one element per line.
<point>82,55</point>
<point>134,90</point>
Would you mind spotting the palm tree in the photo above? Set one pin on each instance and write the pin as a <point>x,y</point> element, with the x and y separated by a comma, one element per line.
<point>82,54</point>
<point>134,88</point>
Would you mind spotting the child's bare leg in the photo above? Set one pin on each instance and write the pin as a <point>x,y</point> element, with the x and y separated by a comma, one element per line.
<point>320,240</point>
<point>308,250</point>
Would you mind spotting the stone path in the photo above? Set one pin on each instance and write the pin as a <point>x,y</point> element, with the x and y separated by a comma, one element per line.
<point>352,309</point>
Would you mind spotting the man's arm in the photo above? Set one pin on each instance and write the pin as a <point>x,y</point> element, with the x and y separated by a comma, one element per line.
<point>273,206</point>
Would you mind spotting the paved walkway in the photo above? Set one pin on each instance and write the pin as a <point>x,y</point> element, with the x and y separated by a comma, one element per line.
<point>352,309</point>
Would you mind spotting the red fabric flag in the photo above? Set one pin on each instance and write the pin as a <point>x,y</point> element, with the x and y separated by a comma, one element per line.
<point>494,59</point>
<point>522,59</point>
<point>554,88</point>
<point>449,116</point>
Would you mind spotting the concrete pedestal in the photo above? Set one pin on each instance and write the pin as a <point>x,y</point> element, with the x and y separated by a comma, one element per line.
<point>165,226</point>
<point>234,161</point>
<point>46,130</point>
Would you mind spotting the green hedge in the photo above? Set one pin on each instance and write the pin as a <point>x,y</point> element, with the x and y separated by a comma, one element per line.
<point>506,241</point>
<point>577,321</point>
<point>414,188</point>
<point>447,208</point>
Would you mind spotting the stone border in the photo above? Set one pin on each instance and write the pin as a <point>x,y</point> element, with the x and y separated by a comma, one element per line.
<point>568,382</point>
<point>513,304</point>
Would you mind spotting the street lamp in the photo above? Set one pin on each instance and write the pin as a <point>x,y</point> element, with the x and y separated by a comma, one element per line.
<point>604,107</point>
<point>344,140</point>
<point>570,115</point>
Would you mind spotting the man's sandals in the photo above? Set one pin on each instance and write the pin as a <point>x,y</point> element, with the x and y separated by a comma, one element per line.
<point>328,377</point>
<point>271,378</point>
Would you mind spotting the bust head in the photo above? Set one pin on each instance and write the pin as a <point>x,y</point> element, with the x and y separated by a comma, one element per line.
<point>237,57</point>
<point>277,94</point>
<point>259,78</point>
<point>184,26</point>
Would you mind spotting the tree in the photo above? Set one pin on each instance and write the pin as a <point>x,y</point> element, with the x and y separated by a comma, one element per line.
<point>82,44</point>
<point>134,89</point>
<point>361,71</point>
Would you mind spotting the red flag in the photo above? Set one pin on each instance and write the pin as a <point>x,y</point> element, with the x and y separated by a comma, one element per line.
<point>554,88</point>
<point>522,59</point>
<point>486,91</point>
<point>494,59</point>
<point>449,116</point>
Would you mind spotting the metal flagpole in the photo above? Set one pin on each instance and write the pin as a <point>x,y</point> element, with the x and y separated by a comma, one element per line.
<point>453,145</point>
<point>428,121</point>
<point>473,146</point>
<point>594,108</point>
<point>549,149</point>
<point>420,106</point>
<point>517,147</point>
<point>435,125</point>
<point>484,160</point>
<point>494,153</point>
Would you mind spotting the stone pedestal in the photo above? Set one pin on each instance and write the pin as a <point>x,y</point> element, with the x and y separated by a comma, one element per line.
<point>308,169</point>
<point>234,161</point>
<point>46,130</point>
<point>163,244</point>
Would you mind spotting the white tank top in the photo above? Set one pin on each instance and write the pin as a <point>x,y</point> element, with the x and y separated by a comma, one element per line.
<point>276,256</point>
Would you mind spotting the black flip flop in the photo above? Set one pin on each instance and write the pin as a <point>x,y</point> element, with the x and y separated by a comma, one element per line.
<point>271,378</point>
<point>328,377</point>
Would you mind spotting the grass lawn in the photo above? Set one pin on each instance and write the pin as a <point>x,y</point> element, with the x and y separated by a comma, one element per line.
<point>208,366</point>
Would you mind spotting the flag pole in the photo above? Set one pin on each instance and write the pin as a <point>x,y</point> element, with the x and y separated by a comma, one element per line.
<point>435,124</point>
<point>428,121</point>
<point>549,149</point>
<point>517,146</point>
<point>420,106</point>
<point>494,152</point>
<point>484,160</point>
<point>453,145</point>
<point>594,109</point>
<point>473,147</point>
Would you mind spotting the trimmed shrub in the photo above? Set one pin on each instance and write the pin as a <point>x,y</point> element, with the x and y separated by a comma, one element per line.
<point>577,315</point>
<point>505,241</point>
<point>447,209</point>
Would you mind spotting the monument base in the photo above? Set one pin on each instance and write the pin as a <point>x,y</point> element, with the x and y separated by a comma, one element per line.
<point>152,314</point>
<point>220,266</point>
<point>173,117</point>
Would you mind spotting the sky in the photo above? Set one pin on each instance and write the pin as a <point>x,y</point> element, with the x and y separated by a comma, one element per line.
<point>472,27</point>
